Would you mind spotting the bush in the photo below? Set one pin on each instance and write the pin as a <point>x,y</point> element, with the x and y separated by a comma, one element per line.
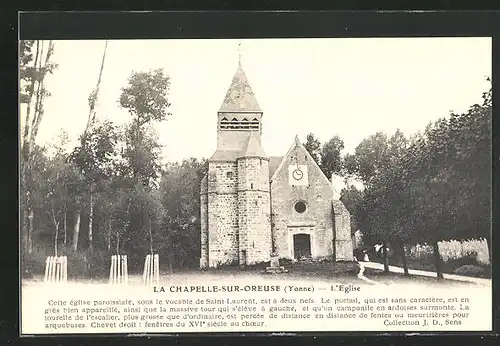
<point>470,270</point>
<point>86,265</point>
<point>470,257</point>
<point>285,261</point>
<point>33,264</point>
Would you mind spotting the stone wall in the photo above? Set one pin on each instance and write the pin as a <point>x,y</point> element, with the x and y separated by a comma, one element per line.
<point>254,210</point>
<point>222,213</point>
<point>204,222</point>
<point>222,177</point>
<point>317,195</point>
<point>343,238</point>
<point>254,227</point>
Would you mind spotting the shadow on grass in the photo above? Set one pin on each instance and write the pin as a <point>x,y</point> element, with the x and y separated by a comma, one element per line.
<point>399,278</point>
<point>465,266</point>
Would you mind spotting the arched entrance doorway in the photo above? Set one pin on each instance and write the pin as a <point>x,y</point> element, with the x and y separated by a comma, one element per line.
<point>301,245</point>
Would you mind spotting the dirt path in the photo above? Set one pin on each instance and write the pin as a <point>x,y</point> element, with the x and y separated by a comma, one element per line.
<point>363,277</point>
<point>393,269</point>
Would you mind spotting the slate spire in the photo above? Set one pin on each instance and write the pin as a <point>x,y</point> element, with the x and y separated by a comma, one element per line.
<point>240,97</point>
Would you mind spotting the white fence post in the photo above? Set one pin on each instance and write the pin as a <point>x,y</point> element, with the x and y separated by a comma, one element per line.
<point>118,271</point>
<point>151,274</point>
<point>56,269</point>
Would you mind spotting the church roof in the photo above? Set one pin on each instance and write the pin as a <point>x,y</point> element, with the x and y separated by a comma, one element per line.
<point>274,162</point>
<point>253,147</point>
<point>232,155</point>
<point>240,97</point>
<point>225,155</point>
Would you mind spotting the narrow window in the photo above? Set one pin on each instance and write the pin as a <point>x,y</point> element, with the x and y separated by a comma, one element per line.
<point>251,185</point>
<point>229,175</point>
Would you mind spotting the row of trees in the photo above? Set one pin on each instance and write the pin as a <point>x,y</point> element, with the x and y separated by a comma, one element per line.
<point>110,193</point>
<point>431,187</point>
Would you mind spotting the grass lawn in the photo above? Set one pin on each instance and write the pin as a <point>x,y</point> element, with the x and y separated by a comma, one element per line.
<point>308,271</point>
<point>341,272</point>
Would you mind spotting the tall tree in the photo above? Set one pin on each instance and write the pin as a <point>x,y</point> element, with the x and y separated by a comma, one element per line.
<point>92,101</point>
<point>33,70</point>
<point>470,171</point>
<point>141,155</point>
<point>370,157</point>
<point>352,197</point>
<point>331,156</point>
<point>146,96</point>
<point>313,146</point>
<point>381,213</point>
<point>25,70</point>
<point>146,99</point>
<point>94,158</point>
<point>451,178</point>
<point>351,165</point>
<point>59,176</point>
<point>180,191</point>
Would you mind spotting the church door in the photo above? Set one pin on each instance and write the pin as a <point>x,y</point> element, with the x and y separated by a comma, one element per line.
<point>301,245</point>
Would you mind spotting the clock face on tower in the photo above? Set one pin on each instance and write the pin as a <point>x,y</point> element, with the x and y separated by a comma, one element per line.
<point>297,175</point>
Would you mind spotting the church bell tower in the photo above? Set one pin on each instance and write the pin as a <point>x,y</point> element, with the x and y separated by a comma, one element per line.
<point>238,115</point>
<point>236,227</point>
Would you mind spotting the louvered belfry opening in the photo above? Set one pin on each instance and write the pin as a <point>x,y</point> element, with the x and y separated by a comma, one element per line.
<point>239,125</point>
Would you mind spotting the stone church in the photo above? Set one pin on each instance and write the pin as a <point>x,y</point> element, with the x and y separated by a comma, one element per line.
<point>253,205</point>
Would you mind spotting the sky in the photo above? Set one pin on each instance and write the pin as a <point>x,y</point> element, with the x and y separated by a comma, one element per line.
<point>347,87</point>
